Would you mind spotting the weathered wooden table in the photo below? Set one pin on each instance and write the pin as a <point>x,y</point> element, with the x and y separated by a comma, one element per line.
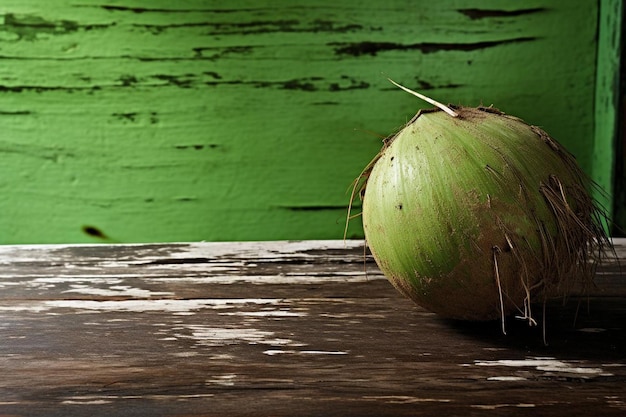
<point>282,329</point>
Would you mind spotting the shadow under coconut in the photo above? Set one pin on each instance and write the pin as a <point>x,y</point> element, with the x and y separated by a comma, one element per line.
<point>582,328</point>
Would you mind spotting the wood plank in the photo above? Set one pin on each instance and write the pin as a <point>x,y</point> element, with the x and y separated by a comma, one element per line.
<point>608,107</point>
<point>282,329</point>
<point>152,121</point>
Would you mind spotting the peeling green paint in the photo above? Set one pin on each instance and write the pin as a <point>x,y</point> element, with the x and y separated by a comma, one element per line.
<point>31,27</point>
<point>193,120</point>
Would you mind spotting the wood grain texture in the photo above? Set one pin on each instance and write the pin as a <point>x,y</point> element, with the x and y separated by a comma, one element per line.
<point>607,110</point>
<point>282,329</point>
<point>139,121</point>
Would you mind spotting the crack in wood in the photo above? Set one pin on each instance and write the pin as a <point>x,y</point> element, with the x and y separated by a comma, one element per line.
<point>475,14</point>
<point>139,10</point>
<point>128,80</point>
<point>310,84</point>
<point>29,26</point>
<point>42,88</point>
<point>257,27</point>
<point>182,81</point>
<point>357,49</point>
<point>179,261</point>
<point>130,116</point>
<point>314,207</point>
<point>425,85</point>
<point>221,52</point>
<point>199,147</point>
<point>15,113</point>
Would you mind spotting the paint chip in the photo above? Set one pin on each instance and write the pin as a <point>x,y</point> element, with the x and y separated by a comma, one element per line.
<point>273,352</point>
<point>506,378</point>
<point>546,364</point>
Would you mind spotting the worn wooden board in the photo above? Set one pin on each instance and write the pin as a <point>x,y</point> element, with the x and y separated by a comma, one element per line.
<point>282,329</point>
<point>608,160</point>
<point>153,120</point>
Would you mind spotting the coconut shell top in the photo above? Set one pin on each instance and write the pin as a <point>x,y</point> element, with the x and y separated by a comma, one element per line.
<point>475,216</point>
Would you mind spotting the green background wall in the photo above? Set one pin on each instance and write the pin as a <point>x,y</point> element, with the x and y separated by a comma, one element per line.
<point>154,120</point>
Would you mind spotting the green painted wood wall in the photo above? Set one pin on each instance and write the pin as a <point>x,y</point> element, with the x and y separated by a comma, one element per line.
<point>155,120</point>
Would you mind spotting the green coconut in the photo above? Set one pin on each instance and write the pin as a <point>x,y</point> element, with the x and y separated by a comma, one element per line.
<point>476,215</point>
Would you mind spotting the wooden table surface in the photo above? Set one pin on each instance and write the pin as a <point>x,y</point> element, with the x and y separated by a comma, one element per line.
<point>283,329</point>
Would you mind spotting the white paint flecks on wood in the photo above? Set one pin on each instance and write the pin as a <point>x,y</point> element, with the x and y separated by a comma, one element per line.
<point>548,365</point>
<point>266,328</point>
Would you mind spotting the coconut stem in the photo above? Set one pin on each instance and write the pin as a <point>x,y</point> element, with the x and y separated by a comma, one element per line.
<point>426,99</point>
